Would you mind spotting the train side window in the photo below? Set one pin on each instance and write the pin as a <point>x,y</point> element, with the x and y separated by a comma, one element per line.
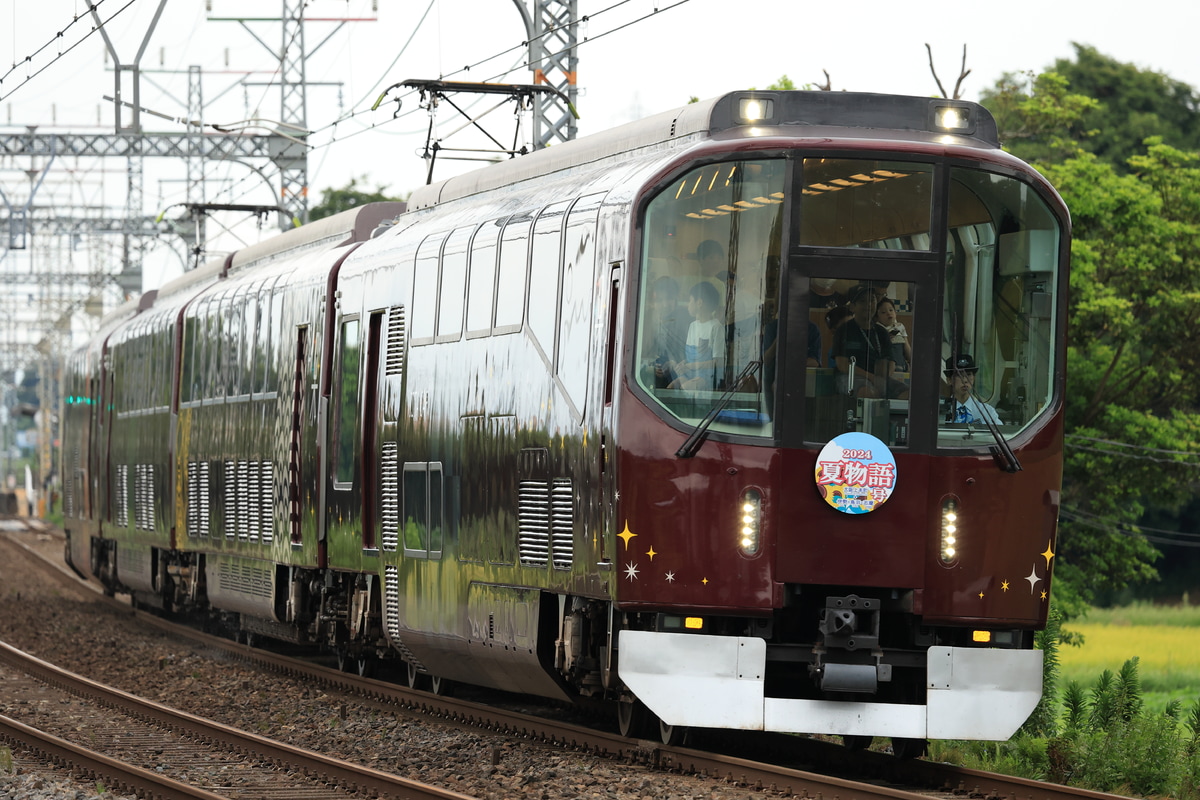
<point>347,401</point>
<point>578,298</point>
<point>423,509</point>
<point>189,355</point>
<point>275,341</point>
<point>204,349</point>
<point>425,288</point>
<point>544,268</point>
<point>482,289</point>
<point>510,280</point>
<point>234,320</point>
<point>249,343</point>
<point>453,285</point>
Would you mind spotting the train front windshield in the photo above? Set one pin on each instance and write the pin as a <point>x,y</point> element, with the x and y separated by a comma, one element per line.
<point>857,285</point>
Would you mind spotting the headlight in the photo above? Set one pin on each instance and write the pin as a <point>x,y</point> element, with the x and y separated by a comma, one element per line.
<point>750,522</point>
<point>755,109</point>
<point>949,540</point>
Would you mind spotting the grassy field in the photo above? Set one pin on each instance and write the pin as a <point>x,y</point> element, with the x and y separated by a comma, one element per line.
<point>1166,641</point>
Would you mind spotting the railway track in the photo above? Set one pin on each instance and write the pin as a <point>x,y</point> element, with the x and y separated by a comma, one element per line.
<point>780,764</point>
<point>124,729</point>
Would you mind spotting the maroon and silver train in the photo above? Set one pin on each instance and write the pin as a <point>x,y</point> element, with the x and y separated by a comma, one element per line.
<point>586,424</point>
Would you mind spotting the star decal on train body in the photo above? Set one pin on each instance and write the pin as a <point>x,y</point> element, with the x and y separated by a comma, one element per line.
<point>1004,586</point>
<point>670,576</point>
<point>1049,554</point>
<point>1044,594</point>
<point>651,552</point>
<point>631,571</point>
<point>1033,579</point>
<point>626,534</point>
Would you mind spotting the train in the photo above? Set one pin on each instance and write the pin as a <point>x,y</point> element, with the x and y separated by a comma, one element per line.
<point>584,425</point>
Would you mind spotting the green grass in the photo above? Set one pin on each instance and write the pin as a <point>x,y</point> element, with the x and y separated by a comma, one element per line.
<point>1143,614</point>
<point>1165,639</point>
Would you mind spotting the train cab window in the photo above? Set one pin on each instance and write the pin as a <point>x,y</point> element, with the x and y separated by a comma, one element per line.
<point>452,291</point>
<point>510,280</point>
<point>708,297</point>
<point>866,204</point>
<point>997,320</point>
<point>482,289</point>
<point>346,414</point>
<point>859,358</point>
<point>423,509</point>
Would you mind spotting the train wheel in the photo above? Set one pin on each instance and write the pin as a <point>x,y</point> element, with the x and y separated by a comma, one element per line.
<point>415,679</point>
<point>672,735</point>
<point>909,748</point>
<point>366,667</point>
<point>633,719</point>
<point>857,743</point>
<point>344,662</point>
<point>441,686</point>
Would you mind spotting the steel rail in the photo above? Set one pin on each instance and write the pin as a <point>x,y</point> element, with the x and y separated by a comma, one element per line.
<point>341,773</point>
<point>928,775</point>
<point>126,778</point>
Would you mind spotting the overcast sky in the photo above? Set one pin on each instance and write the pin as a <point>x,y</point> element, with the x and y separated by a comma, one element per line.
<point>636,58</point>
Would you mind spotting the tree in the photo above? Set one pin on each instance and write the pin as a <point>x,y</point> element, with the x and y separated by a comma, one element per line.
<point>1133,104</point>
<point>349,196</point>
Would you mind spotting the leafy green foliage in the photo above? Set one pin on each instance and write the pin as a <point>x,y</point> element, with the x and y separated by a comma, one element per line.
<point>1133,104</point>
<point>1108,743</point>
<point>352,195</point>
<point>1074,707</point>
<point>1042,721</point>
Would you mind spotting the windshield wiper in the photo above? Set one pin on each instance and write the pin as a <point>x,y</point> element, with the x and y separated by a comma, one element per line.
<point>689,447</point>
<point>1002,452</point>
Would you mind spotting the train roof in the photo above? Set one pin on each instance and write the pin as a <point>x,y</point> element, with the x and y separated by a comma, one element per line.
<point>353,225</point>
<point>756,113</point>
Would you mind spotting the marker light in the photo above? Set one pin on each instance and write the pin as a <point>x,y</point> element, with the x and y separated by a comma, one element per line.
<point>982,637</point>
<point>749,520</point>
<point>693,623</point>
<point>949,538</point>
<point>755,109</point>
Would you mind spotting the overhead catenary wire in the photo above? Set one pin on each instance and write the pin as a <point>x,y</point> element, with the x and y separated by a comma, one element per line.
<point>521,47</point>
<point>29,58</point>
<point>1156,535</point>
<point>1182,458</point>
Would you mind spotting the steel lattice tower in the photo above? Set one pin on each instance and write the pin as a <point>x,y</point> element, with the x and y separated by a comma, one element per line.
<point>552,31</point>
<point>293,113</point>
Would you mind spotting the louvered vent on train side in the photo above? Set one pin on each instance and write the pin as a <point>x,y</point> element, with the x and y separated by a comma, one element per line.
<point>144,497</point>
<point>395,342</point>
<point>389,497</point>
<point>533,523</point>
<point>122,495</point>
<point>198,498</point>
<point>562,523</point>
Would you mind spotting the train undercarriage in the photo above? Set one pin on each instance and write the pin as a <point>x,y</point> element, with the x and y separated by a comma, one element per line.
<point>798,669</point>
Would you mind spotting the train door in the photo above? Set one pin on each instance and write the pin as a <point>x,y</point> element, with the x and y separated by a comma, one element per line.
<point>343,435</point>
<point>295,449</point>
